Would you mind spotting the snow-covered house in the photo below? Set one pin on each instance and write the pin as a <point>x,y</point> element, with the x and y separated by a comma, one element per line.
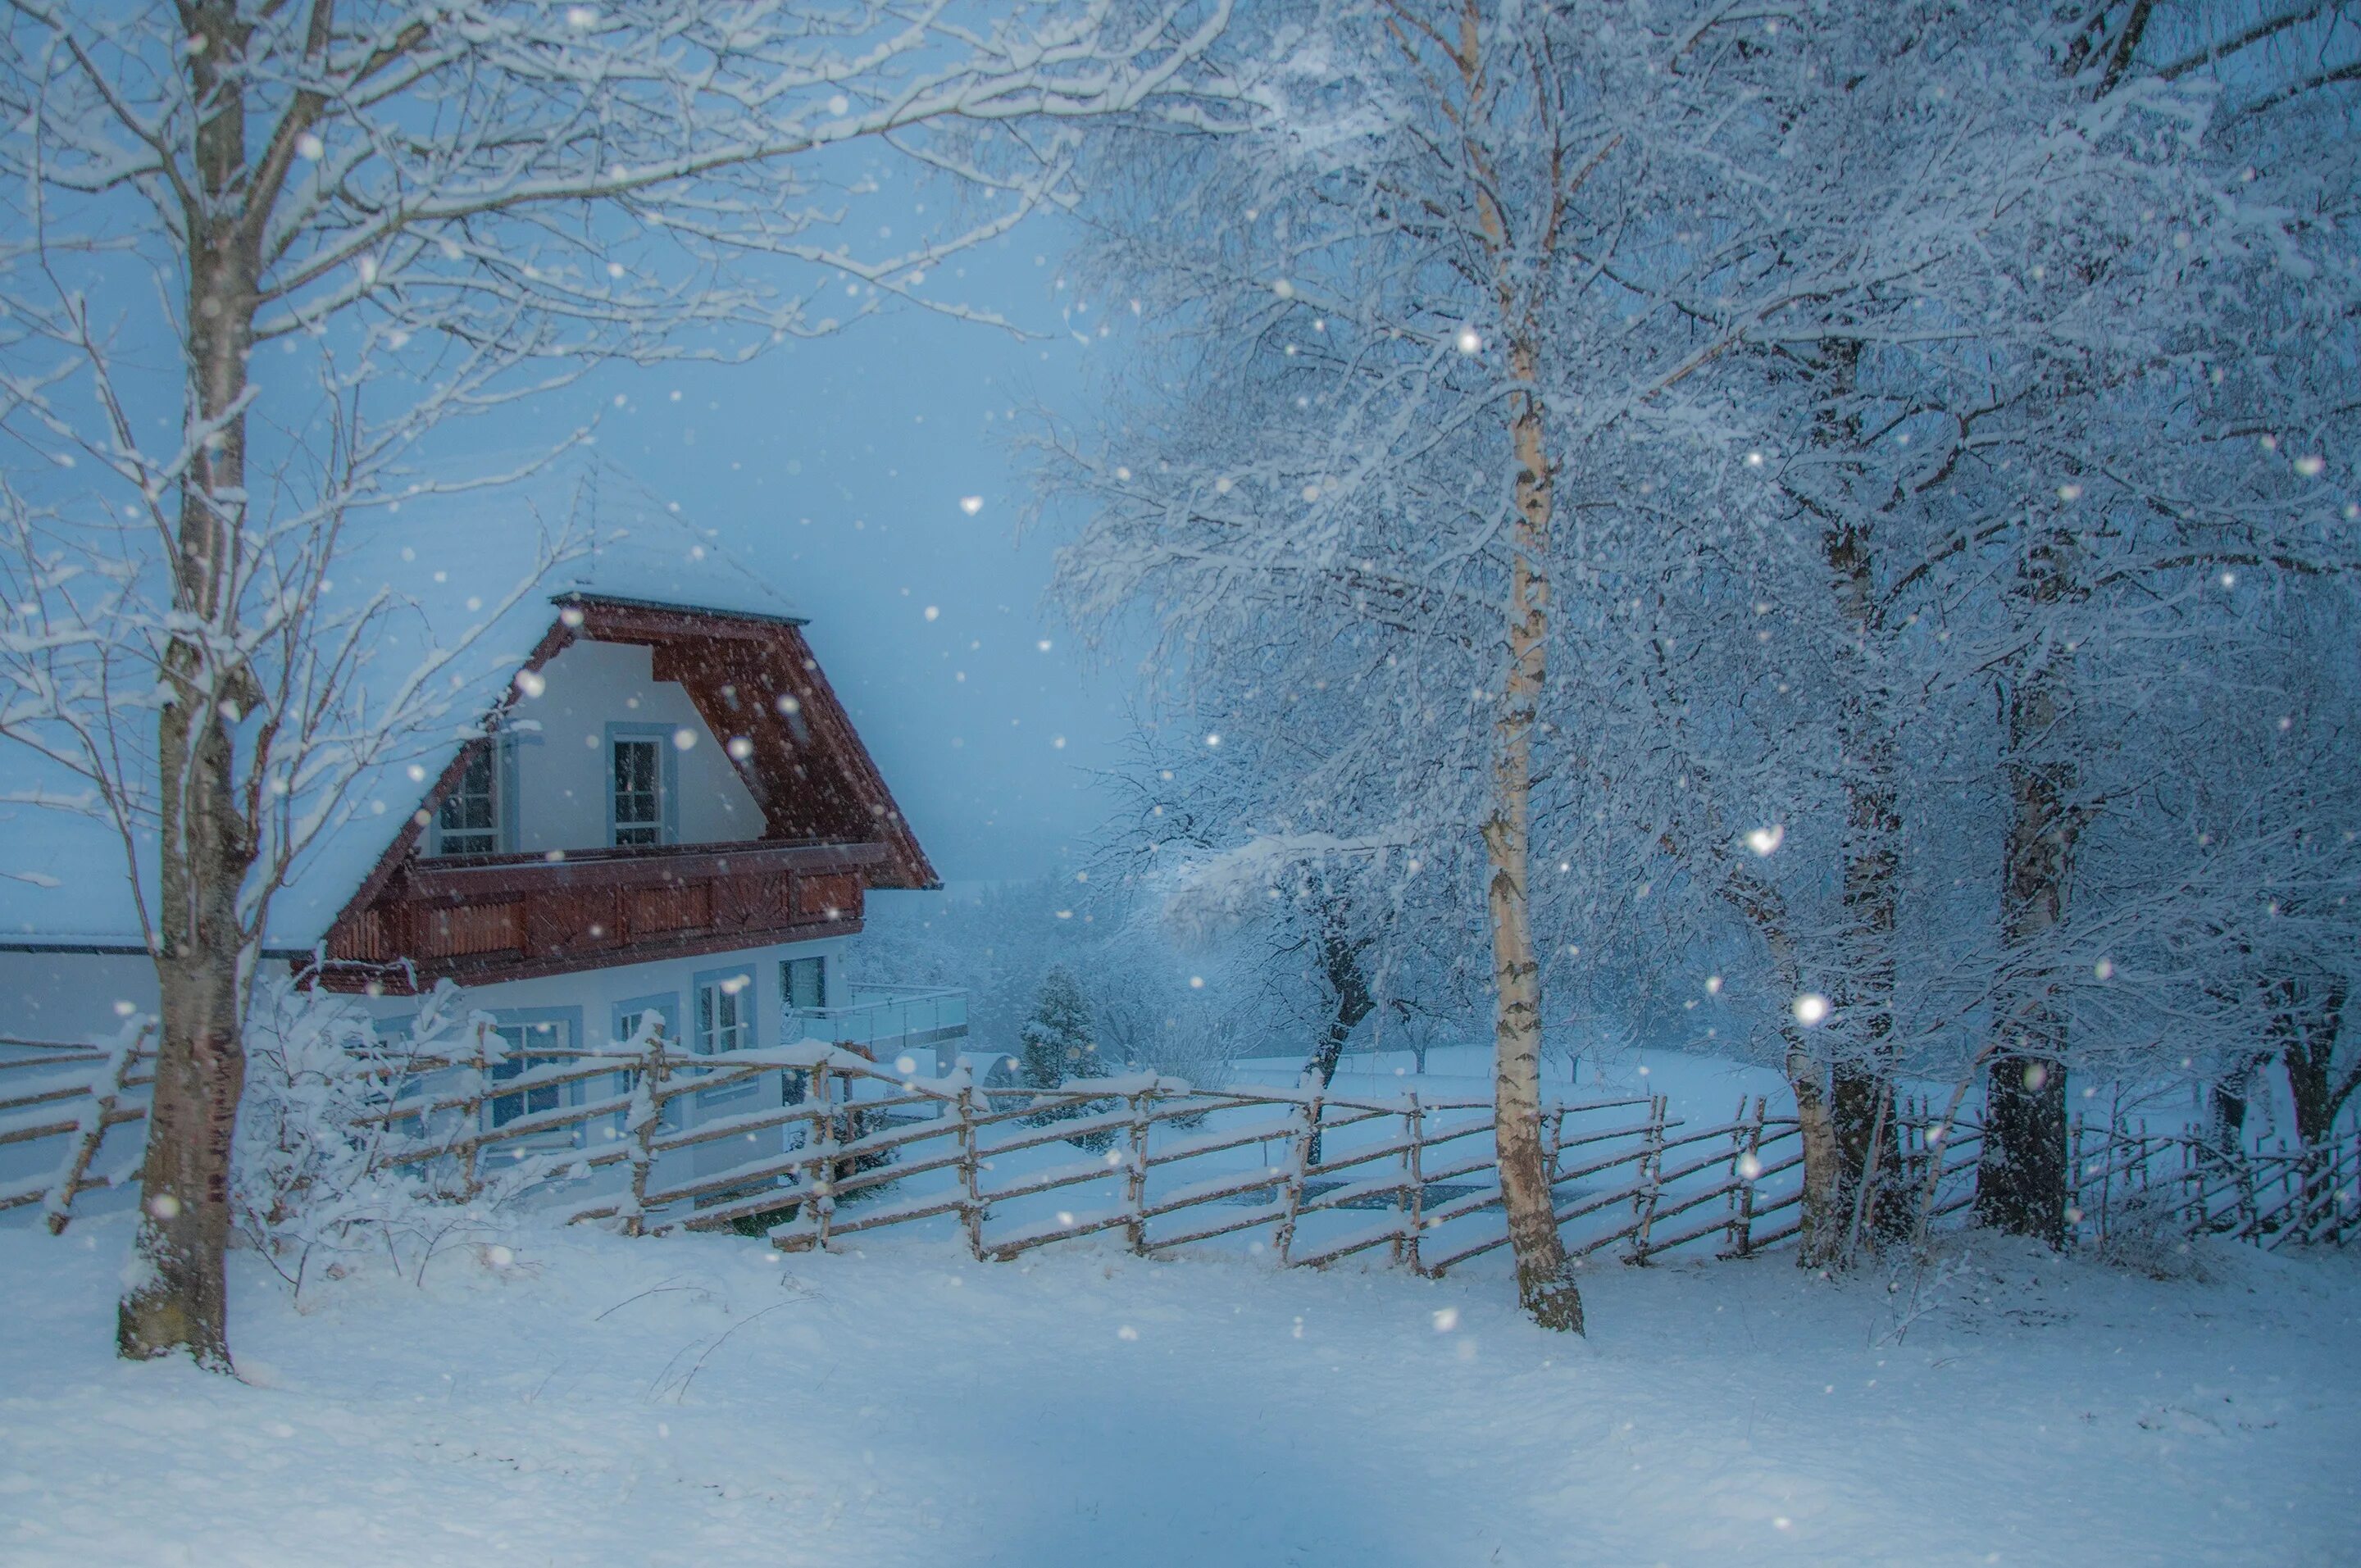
<point>664,810</point>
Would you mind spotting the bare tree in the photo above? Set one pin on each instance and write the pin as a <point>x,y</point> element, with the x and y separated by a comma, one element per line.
<point>310,234</point>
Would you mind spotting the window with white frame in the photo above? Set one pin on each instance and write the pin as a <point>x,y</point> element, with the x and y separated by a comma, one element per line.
<point>469,820</point>
<point>521,1046</point>
<point>724,1021</point>
<point>804,983</point>
<point>637,780</point>
<point>803,986</point>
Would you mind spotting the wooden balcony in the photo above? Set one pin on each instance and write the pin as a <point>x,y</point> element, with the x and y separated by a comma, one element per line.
<point>481,918</point>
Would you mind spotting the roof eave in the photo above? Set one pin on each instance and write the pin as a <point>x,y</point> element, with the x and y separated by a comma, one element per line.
<point>580,600</point>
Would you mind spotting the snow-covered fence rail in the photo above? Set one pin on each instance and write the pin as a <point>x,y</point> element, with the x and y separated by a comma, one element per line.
<point>829,1145</point>
<point>2129,1181</point>
<point>71,1096</point>
<point>844,1145</point>
<point>850,1146</point>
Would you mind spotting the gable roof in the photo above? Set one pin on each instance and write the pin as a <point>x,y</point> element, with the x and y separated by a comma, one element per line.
<point>752,676</point>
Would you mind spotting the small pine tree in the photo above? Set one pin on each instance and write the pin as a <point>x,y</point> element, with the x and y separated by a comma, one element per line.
<point>1059,1046</point>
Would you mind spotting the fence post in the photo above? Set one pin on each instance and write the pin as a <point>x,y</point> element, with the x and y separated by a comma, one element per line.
<point>1135,1181</point>
<point>972,1207</point>
<point>1745,1164</point>
<point>105,1090</point>
<point>647,1115</point>
<point>1651,1166</point>
<point>478,1112</point>
<point>2075,1172</point>
<point>1415,1194</point>
<point>1298,1162</point>
<point>823,1161</point>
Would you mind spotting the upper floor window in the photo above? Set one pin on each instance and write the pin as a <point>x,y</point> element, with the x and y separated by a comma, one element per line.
<point>638,786</point>
<point>469,820</point>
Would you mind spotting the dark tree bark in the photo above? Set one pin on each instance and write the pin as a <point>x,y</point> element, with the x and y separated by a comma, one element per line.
<point>1349,997</point>
<point>2309,1026</point>
<point>2225,1107</point>
<point>2021,1179</point>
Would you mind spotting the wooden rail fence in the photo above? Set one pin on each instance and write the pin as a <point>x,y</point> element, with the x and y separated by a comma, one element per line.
<point>650,1141</point>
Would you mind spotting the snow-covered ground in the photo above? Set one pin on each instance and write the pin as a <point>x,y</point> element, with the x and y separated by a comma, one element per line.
<point>585,1399</point>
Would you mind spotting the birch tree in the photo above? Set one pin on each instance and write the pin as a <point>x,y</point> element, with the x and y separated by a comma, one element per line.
<point>259,255</point>
<point>1353,460</point>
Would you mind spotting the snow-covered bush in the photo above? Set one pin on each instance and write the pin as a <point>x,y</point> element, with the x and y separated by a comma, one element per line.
<point>312,1187</point>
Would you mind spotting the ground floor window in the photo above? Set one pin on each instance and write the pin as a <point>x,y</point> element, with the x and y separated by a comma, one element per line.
<point>525,1045</point>
<point>804,983</point>
<point>724,1022</point>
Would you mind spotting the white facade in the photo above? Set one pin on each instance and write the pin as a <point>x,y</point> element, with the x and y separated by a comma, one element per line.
<point>557,765</point>
<point>79,996</point>
<point>73,997</point>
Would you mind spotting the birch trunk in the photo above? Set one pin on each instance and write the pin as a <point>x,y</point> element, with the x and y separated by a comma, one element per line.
<point>1546,1284</point>
<point>175,1299</point>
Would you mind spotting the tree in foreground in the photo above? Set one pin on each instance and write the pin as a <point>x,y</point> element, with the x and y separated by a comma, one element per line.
<point>258,255</point>
<point>1340,488</point>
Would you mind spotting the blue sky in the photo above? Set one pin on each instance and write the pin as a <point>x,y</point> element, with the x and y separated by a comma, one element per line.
<point>838,468</point>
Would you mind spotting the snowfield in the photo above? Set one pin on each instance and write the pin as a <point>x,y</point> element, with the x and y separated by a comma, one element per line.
<point>575,1397</point>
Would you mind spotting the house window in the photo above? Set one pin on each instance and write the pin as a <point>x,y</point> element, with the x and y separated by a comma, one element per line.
<point>469,821</point>
<point>638,786</point>
<point>804,982</point>
<point>724,1013</point>
<point>725,1023</point>
<point>521,1045</point>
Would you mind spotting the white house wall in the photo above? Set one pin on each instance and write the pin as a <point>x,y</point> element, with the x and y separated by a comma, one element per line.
<point>72,997</point>
<point>597,995</point>
<point>77,997</point>
<point>591,1003</point>
<point>562,767</point>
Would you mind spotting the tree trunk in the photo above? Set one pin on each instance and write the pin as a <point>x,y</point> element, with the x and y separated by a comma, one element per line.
<point>1546,1284</point>
<point>1824,1214</point>
<point>2309,1027</point>
<point>176,1298</point>
<point>2225,1108</point>
<point>2021,1178</point>
<point>1348,987</point>
<point>1862,993</point>
<point>2309,1030</point>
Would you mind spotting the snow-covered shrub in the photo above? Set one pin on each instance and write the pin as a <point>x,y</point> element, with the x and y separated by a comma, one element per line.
<point>313,1189</point>
<point>2145,1230</point>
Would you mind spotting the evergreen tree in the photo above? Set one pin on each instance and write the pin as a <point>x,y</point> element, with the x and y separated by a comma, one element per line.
<point>1059,1046</point>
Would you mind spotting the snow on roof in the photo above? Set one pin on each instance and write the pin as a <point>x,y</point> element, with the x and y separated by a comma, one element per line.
<point>475,580</point>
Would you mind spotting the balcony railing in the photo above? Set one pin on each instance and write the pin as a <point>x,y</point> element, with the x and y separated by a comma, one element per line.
<point>478,919</point>
<point>885,1019</point>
